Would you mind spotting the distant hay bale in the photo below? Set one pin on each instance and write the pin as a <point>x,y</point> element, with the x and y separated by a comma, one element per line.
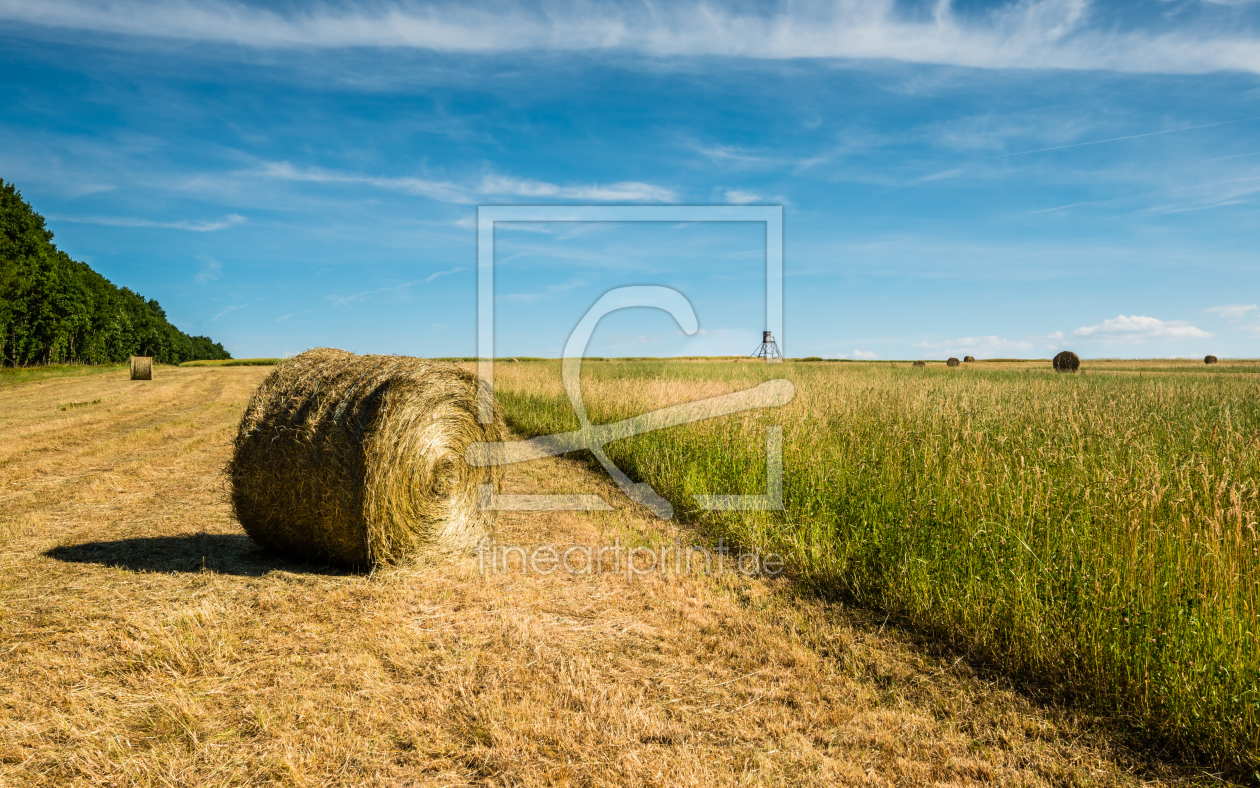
<point>141,368</point>
<point>360,459</point>
<point>969,359</point>
<point>1209,359</point>
<point>919,364</point>
<point>1067,361</point>
<point>953,362</point>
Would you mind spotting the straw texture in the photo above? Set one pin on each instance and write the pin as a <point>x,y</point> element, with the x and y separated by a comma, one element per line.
<point>141,368</point>
<point>360,459</point>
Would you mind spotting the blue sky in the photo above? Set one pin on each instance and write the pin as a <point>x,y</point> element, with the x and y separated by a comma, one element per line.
<point>995,179</point>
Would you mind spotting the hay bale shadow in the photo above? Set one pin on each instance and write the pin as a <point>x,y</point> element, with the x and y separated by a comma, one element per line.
<point>226,554</point>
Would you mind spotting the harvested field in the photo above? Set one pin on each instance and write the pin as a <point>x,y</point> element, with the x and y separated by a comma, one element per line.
<point>145,641</point>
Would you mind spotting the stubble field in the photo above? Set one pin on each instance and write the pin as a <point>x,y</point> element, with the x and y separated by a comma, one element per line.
<point>145,641</point>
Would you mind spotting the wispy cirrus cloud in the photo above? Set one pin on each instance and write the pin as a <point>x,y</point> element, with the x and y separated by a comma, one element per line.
<point>989,346</point>
<point>627,191</point>
<point>1122,139</point>
<point>444,191</point>
<point>233,309</point>
<point>1232,311</point>
<point>550,291</point>
<point>208,271</point>
<point>471,191</point>
<point>1134,329</point>
<point>343,300</point>
<point>196,226</point>
<point>1018,34</point>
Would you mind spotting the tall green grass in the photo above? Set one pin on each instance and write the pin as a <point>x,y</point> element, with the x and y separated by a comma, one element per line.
<point>11,376</point>
<point>1092,534</point>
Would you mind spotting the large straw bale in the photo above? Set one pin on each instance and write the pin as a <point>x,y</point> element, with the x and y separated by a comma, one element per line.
<point>359,460</point>
<point>952,362</point>
<point>1209,359</point>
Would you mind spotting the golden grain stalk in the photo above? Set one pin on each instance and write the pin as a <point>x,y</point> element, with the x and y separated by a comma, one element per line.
<point>360,459</point>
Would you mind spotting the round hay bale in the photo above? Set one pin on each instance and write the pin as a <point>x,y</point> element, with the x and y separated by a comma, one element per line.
<point>953,362</point>
<point>919,364</point>
<point>1067,361</point>
<point>141,368</point>
<point>969,359</point>
<point>359,460</point>
<point>1209,359</point>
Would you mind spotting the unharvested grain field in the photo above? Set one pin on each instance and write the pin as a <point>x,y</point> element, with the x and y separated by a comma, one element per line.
<point>1092,536</point>
<point>145,641</point>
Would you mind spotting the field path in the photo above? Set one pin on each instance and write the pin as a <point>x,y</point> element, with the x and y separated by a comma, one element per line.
<point>145,641</point>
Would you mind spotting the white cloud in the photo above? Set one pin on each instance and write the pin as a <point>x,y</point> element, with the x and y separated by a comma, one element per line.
<point>1137,329</point>
<point>857,354</point>
<point>443,191</point>
<point>1232,311</point>
<point>198,226</point>
<point>626,191</point>
<point>208,272</point>
<point>468,193</point>
<point>741,197</point>
<point>1018,34</point>
<point>988,347</point>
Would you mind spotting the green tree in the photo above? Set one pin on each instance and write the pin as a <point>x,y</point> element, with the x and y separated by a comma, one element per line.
<point>54,309</point>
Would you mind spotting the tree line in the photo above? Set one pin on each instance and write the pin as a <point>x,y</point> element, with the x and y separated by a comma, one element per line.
<point>57,310</point>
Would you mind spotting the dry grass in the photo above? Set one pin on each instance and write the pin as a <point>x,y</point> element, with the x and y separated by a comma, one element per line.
<point>145,641</point>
